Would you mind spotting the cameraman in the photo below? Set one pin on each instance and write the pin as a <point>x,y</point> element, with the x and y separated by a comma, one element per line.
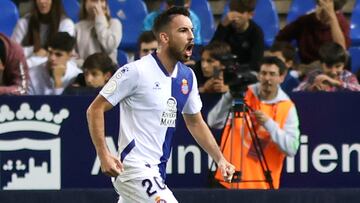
<point>274,119</point>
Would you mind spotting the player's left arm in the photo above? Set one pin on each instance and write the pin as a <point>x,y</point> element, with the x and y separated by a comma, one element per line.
<point>203,136</point>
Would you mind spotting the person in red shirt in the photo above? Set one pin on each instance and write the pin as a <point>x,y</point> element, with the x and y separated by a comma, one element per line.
<point>326,24</point>
<point>14,74</point>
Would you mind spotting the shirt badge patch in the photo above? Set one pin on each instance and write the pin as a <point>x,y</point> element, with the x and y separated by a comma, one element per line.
<point>110,87</point>
<point>168,117</point>
<point>184,86</point>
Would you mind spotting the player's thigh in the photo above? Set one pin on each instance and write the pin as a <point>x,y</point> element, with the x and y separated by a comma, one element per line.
<point>144,190</point>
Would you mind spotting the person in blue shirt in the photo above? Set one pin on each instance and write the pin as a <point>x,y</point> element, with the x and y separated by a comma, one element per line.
<point>149,19</point>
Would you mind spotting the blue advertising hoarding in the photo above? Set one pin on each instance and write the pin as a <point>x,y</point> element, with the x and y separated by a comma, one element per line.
<point>45,144</point>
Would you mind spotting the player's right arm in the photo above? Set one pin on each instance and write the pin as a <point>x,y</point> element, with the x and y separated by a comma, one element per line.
<point>110,164</point>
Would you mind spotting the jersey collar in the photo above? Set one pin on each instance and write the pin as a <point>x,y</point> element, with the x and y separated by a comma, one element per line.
<point>162,67</point>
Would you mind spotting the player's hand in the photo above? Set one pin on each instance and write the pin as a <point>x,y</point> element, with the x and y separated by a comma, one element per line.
<point>111,166</point>
<point>227,169</point>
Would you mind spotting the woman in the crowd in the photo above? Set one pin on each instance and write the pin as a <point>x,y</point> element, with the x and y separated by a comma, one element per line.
<point>36,29</point>
<point>97,31</point>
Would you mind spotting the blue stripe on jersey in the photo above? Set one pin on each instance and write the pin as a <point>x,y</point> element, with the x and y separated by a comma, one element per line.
<point>182,85</point>
<point>160,64</point>
<point>184,78</point>
<point>127,150</point>
<point>166,152</point>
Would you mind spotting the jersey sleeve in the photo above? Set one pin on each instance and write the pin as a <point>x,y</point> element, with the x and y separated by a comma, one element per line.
<point>193,105</point>
<point>121,85</point>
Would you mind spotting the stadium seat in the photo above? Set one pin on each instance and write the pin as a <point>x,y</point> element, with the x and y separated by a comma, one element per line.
<point>266,17</point>
<point>355,58</point>
<point>298,8</point>
<point>355,25</point>
<point>72,9</point>
<point>122,58</point>
<point>203,10</point>
<point>131,13</point>
<point>8,17</point>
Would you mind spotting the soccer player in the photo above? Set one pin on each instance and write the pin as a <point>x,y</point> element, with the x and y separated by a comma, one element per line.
<point>151,91</point>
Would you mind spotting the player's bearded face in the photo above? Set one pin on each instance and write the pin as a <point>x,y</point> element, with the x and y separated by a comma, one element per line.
<point>181,53</point>
<point>181,38</point>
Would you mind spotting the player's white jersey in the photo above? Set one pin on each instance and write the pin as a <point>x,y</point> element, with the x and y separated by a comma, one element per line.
<point>150,100</point>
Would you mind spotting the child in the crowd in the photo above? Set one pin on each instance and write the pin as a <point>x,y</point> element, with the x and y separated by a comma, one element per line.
<point>55,74</point>
<point>98,69</point>
<point>147,43</point>
<point>330,76</point>
<point>210,78</point>
<point>244,36</point>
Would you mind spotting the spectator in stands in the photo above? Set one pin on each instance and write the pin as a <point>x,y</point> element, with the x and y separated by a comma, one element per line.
<point>14,73</point>
<point>147,43</point>
<point>287,53</point>
<point>149,19</point>
<point>244,36</point>
<point>331,76</point>
<point>97,31</point>
<point>98,69</point>
<point>55,74</point>
<point>210,78</point>
<point>35,30</point>
<point>274,119</point>
<point>326,24</point>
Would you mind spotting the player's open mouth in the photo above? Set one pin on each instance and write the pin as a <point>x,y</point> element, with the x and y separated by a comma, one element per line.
<point>188,50</point>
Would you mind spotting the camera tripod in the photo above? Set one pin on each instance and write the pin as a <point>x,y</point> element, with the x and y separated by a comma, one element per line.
<point>241,110</point>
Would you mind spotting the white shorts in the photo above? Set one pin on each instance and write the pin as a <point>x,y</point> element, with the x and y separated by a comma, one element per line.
<point>144,190</point>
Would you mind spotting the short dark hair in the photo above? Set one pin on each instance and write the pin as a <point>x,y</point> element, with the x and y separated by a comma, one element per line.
<point>286,49</point>
<point>274,60</point>
<point>63,41</point>
<point>217,49</point>
<point>147,37</point>
<point>242,5</point>
<point>99,61</point>
<point>163,20</point>
<point>176,2</point>
<point>331,53</point>
<point>338,4</point>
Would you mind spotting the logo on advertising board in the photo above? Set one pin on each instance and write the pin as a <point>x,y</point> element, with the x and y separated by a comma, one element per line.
<point>30,147</point>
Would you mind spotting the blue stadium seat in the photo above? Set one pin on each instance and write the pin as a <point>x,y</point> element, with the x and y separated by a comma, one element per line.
<point>355,58</point>
<point>355,25</point>
<point>9,15</point>
<point>122,58</point>
<point>298,8</point>
<point>266,17</point>
<point>203,10</point>
<point>72,9</point>
<point>131,13</point>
